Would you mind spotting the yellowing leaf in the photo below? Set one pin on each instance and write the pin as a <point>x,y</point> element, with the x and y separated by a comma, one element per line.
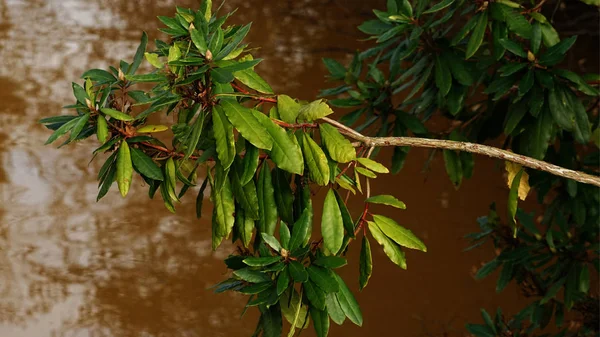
<point>152,128</point>
<point>512,169</point>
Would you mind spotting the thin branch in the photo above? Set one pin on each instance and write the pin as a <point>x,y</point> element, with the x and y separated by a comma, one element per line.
<point>489,151</point>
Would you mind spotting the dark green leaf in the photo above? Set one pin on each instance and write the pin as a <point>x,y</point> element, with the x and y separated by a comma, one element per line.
<point>477,36</point>
<point>315,295</point>
<point>443,76</point>
<point>453,167</point>
<point>146,165</point>
<point>330,261</point>
<point>267,206</point>
<point>297,271</point>
<point>366,263</point>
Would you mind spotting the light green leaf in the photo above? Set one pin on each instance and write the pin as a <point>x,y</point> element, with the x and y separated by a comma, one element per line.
<point>224,208</point>
<point>373,165</point>
<point>152,128</point>
<point>249,127</point>
<point>339,147</point>
<point>117,114</point>
<point>316,161</point>
<point>401,235</point>
<point>365,172</point>
<point>314,110</point>
<point>332,226</point>
<point>513,198</point>
<point>261,261</point>
<point>154,60</point>
<point>390,248</point>
<point>78,127</point>
<point>291,306</point>
<point>389,200</point>
<point>366,263</point>
<point>285,153</point>
<point>251,79</point>
<point>223,131</point>
<point>124,169</point>
<point>271,241</point>
<point>101,129</point>
<point>288,108</point>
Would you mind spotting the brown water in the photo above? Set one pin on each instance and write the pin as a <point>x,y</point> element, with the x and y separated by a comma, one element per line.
<point>127,267</point>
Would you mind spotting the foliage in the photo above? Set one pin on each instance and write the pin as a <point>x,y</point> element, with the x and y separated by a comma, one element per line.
<point>500,65</point>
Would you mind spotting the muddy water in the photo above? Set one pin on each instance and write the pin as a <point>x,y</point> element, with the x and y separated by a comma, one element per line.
<point>126,267</point>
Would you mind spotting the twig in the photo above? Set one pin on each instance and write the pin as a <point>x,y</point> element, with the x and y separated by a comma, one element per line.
<point>489,151</point>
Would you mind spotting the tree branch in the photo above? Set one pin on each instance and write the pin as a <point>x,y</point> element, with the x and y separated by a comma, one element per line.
<point>489,151</point>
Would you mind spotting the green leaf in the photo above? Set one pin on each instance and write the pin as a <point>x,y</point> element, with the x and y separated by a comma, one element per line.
<point>124,169</point>
<point>244,226</point>
<point>288,108</point>
<point>100,76</point>
<point>223,132</point>
<point>346,217</point>
<point>505,276</point>
<point>443,76</point>
<point>320,321</point>
<point>549,35</point>
<point>584,279</point>
<point>298,272</point>
<point>556,53</point>
<point>300,230</point>
<point>80,93</point>
<point>487,269</point>
<point>536,38</point>
<point>390,248</point>
<point>139,55</point>
<point>271,321</point>
<point>234,42</point>
<point>221,75</point>
<point>249,127</point>
<point>316,161</point>
<point>267,207</point>
<point>256,288</point>
<point>516,112</point>
<point>245,195</point>
<point>146,78</point>
<point>513,197</point>
<point>336,69</point>
<point>145,165</point>
<point>324,278</point>
<point>330,261</point>
<point>199,41</point>
<point>389,200</point>
<point>477,36</point>
<point>535,142</point>
<point>117,114</point>
<point>283,281</point>
<point>78,127</point>
<point>439,6</point>
<point>582,127</point>
<point>453,167</point>
<point>314,110</point>
<point>249,163</point>
<point>339,147</point>
<point>561,109</point>
<point>284,198</point>
<point>366,263</point>
<point>285,153</point>
<point>271,241</point>
<point>513,47</point>
<point>315,295</point>
<point>526,83</point>
<point>66,127</point>
<point>348,302</point>
<point>401,235</point>
<point>234,66</point>
<point>252,276</point>
<point>334,309</point>
<point>332,226</point>
<point>261,261</point>
<point>373,165</point>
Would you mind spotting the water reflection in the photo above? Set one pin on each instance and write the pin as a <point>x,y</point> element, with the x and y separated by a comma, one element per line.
<point>72,267</point>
